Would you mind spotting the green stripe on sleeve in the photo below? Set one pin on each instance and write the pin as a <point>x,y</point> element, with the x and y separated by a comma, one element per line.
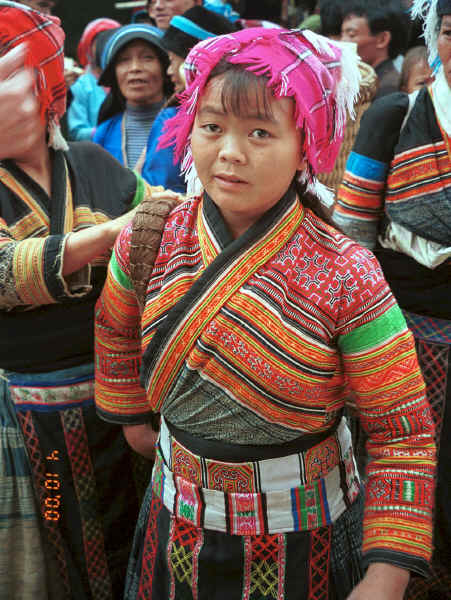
<point>371,334</point>
<point>140,191</point>
<point>118,273</point>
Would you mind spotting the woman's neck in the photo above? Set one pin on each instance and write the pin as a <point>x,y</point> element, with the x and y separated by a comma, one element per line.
<point>37,164</point>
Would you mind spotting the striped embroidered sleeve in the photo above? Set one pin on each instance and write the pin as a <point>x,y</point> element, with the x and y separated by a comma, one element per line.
<point>118,394</point>
<point>360,197</point>
<point>380,361</point>
<point>31,271</point>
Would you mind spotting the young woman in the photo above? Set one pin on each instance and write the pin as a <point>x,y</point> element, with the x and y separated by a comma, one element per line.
<point>257,315</point>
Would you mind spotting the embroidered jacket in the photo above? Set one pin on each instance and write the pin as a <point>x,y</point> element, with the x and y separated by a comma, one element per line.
<point>404,178</point>
<point>46,319</point>
<point>254,340</point>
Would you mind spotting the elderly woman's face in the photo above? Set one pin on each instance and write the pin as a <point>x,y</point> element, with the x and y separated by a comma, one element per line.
<point>444,46</point>
<point>139,74</point>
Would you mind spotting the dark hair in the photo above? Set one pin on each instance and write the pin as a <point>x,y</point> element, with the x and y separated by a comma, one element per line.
<point>383,15</point>
<point>114,102</point>
<point>331,13</point>
<point>240,87</point>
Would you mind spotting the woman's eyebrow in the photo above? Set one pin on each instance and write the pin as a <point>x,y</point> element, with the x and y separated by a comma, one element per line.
<point>215,110</point>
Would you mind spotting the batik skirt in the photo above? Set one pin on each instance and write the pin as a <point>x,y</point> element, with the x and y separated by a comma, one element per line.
<point>68,500</point>
<point>191,541</point>
<point>433,344</point>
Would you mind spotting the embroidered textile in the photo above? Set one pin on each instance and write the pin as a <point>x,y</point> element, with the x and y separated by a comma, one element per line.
<point>269,496</point>
<point>33,232</point>
<point>66,452</point>
<point>179,559</point>
<point>280,350</point>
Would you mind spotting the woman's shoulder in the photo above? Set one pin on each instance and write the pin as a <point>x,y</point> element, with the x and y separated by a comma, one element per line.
<point>94,166</point>
<point>329,239</point>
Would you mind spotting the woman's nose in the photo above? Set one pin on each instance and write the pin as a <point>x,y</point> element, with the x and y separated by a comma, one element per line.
<point>135,64</point>
<point>232,149</point>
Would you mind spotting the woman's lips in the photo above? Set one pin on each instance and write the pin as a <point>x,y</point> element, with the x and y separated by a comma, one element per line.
<point>229,179</point>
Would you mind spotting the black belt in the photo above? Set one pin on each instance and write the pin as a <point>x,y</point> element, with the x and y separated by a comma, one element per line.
<point>226,452</point>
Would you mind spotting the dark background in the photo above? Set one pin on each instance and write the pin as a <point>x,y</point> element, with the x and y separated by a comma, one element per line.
<point>75,15</point>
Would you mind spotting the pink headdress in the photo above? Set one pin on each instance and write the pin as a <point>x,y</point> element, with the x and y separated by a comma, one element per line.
<point>321,77</point>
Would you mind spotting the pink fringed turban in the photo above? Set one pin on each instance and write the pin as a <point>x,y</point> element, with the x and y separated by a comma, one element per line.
<point>298,64</point>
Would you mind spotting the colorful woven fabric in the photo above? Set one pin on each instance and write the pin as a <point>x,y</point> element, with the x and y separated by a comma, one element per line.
<point>246,498</point>
<point>299,65</point>
<point>33,234</point>
<point>84,551</point>
<point>272,359</point>
<point>409,180</point>
<point>44,40</point>
<point>183,561</point>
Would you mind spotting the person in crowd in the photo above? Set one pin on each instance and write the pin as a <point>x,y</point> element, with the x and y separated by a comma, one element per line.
<point>162,11</point>
<point>134,67</point>
<point>257,313</point>
<point>44,6</point>
<point>380,28</point>
<point>142,16</point>
<point>416,71</point>
<point>66,526</point>
<point>183,33</point>
<point>87,96</point>
<point>331,16</point>
<point>394,200</point>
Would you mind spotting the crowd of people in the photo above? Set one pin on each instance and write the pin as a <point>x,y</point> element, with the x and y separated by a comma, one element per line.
<point>198,334</point>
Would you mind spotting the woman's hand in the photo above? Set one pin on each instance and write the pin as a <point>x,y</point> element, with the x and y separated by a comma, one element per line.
<point>82,246</point>
<point>382,582</point>
<point>19,107</point>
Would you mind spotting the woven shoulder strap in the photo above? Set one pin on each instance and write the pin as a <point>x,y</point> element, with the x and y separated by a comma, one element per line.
<point>147,229</point>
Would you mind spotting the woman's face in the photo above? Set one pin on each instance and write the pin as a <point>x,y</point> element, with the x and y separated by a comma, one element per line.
<point>444,46</point>
<point>139,74</point>
<point>245,163</point>
<point>174,72</point>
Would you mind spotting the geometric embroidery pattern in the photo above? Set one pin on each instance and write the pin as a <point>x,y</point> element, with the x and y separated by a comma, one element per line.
<point>320,459</point>
<point>183,544</point>
<point>39,469</point>
<point>264,559</point>
<point>239,479</point>
<point>184,464</point>
<point>319,563</point>
<point>433,359</point>
<point>85,487</point>
<point>149,550</point>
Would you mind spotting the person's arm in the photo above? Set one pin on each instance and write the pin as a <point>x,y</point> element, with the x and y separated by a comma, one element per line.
<point>360,197</point>
<point>380,363</point>
<point>119,396</point>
